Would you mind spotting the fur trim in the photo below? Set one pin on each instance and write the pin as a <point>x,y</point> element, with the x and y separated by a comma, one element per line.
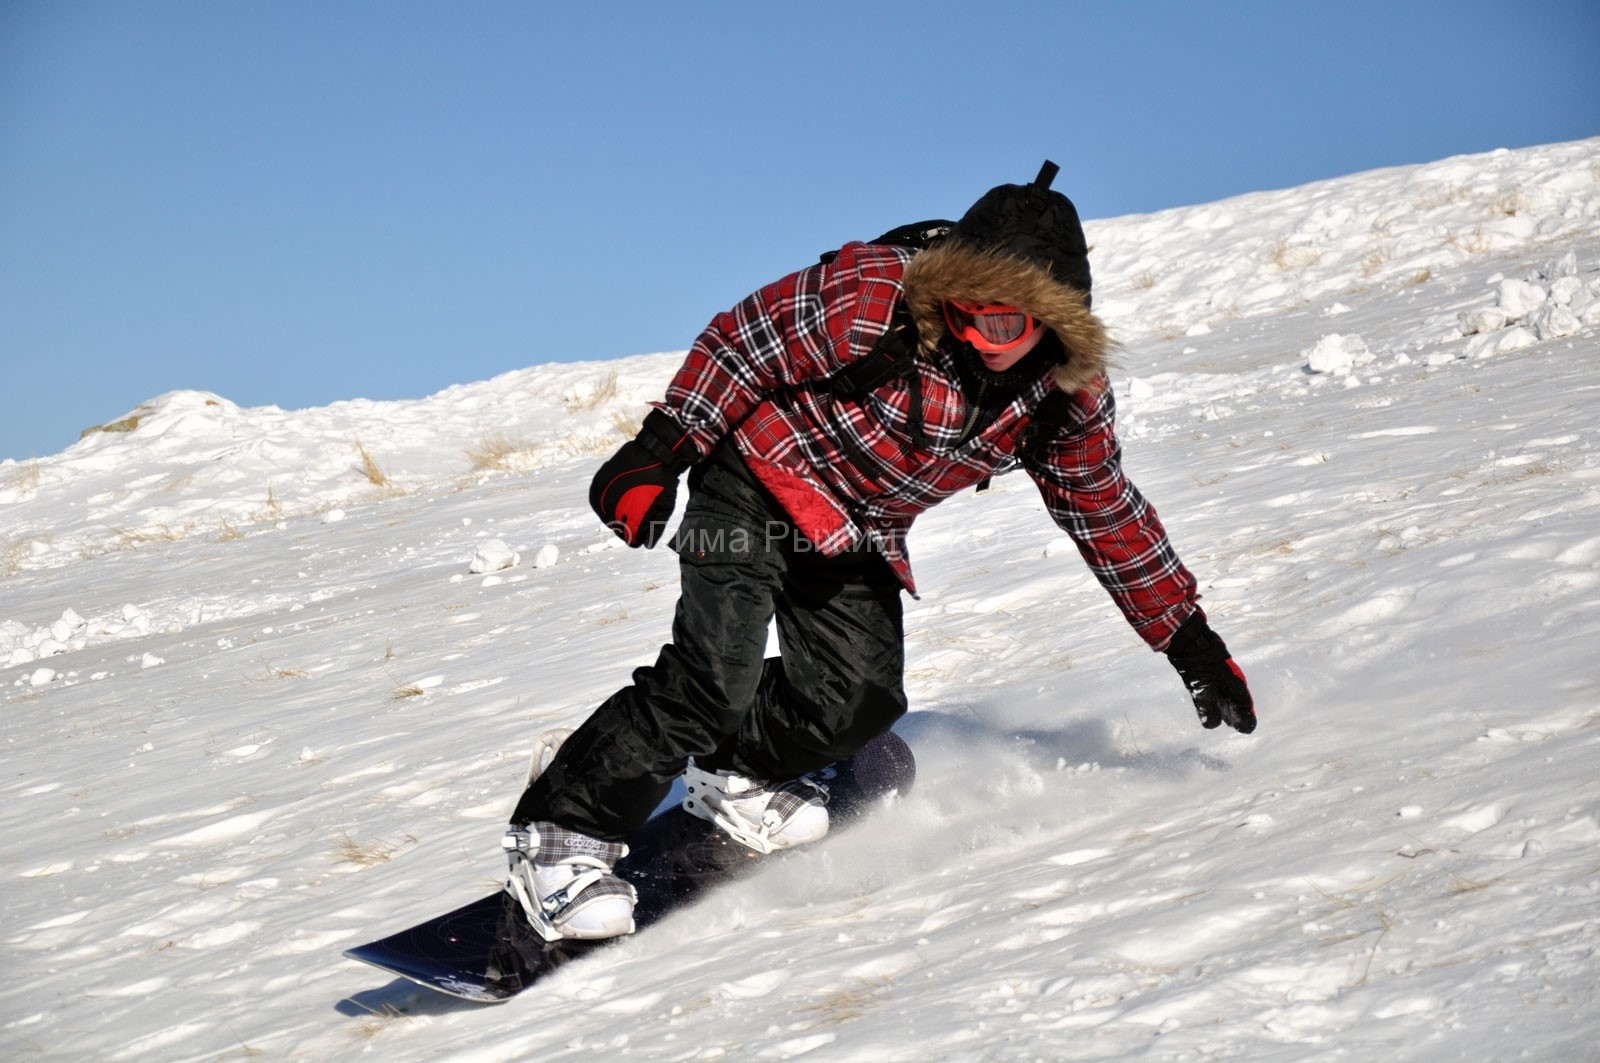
<point>959,270</point>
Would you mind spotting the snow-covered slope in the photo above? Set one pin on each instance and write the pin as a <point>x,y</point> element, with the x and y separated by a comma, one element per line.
<point>259,708</point>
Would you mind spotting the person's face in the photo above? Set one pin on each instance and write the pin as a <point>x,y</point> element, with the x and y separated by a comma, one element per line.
<point>1000,333</point>
<point>999,363</point>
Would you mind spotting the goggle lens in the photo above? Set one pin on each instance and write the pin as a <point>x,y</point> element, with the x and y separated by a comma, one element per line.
<point>993,327</point>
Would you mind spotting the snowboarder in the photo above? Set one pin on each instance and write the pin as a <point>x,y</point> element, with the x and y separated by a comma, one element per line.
<point>802,486</point>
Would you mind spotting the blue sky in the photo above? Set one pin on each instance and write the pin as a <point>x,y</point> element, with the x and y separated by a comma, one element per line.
<point>290,203</point>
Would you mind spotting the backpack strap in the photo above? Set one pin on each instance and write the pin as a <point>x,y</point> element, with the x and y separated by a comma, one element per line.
<point>917,235</point>
<point>1053,414</point>
<point>1036,192</point>
<point>893,357</point>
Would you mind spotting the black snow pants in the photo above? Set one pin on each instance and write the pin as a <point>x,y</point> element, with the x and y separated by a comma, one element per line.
<point>711,694</point>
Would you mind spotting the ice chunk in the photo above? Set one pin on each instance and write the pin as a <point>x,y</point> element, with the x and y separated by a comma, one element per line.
<point>1484,319</point>
<point>493,556</point>
<point>1556,322</point>
<point>1520,298</point>
<point>1335,353</point>
<point>1565,289</point>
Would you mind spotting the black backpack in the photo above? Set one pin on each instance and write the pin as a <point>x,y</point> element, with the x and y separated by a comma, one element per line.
<point>917,236</point>
<point>893,356</point>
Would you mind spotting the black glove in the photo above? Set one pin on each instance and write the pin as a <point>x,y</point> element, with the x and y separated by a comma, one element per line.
<point>635,491</point>
<point>1214,681</point>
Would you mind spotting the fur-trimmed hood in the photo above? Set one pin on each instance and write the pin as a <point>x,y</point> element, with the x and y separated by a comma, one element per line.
<point>965,270</point>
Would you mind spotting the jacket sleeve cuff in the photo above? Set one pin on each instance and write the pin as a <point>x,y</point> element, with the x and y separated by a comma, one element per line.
<point>1162,632</point>
<point>666,439</point>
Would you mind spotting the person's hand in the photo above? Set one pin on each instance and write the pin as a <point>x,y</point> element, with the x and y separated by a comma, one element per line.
<point>1215,682</point>
<point>635,490</point>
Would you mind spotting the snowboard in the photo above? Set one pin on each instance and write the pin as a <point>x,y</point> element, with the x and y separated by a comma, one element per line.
<point>486,952</point>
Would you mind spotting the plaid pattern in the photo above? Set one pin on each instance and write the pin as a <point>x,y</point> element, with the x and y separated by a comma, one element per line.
<point>598,890</point>
<point>1080,476</point>
<point>789,799</point>
<point>557,844</point>
<point>761,808</point>
<point>549,843</point>
<point>846,469</point>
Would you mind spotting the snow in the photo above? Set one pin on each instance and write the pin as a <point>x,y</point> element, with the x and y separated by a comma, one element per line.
<point>245,734</point>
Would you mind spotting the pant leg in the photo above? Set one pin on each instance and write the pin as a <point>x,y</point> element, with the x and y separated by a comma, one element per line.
<point>619,765</point>
<point>840,680</point>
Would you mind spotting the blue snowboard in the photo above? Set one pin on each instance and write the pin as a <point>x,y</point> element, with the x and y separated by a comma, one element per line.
<point>487,952</point>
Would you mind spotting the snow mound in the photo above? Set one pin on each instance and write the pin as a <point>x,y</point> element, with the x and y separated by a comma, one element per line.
<point>249,735</point>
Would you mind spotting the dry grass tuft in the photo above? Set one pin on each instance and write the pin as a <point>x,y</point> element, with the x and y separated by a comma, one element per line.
<point>273,672</point>
<point>274,510</point>
<point>1511,203</point>
<point>12,557</point>
<point>377,1019</point>
<point>25,477</point>
<point>1476,244</point>
<point>16,553</point>
<point>350,851</point>
<point>1442,196</point>
<point>588,446</point>
<point>1287,259</point>
<point>127,424</point>
<point>844,1004</point>
<point>1528,470</point>
<point>496,450</point>
<point>628,424</point>
<point>407,692</point>
<point>604,392</point>
<point>370,467</point>
<point>131,540</point>
<point>1459,885</point>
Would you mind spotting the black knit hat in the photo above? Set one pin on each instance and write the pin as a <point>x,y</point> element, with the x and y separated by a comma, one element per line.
<point>1034,223</point>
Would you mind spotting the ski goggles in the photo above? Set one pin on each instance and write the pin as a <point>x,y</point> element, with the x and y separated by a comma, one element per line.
<point>991,327</point>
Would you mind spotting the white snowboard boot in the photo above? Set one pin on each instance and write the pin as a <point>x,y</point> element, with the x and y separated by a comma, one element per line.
<point>564,881</point>
<point>563,877</point>
<point>764,816</point>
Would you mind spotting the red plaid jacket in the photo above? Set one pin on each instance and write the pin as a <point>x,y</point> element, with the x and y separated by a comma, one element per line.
<point>846,468</point>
